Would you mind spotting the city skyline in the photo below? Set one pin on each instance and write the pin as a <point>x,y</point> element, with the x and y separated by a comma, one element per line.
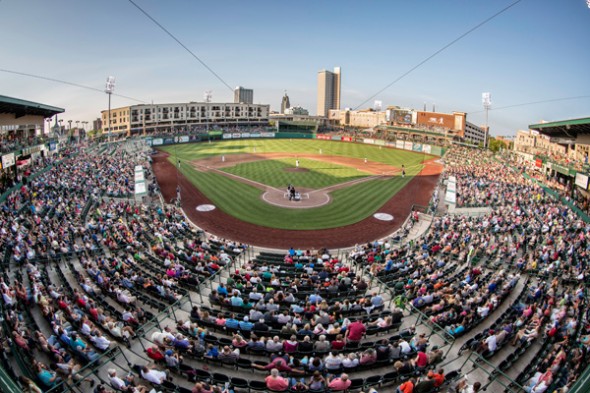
<point>535,51</point>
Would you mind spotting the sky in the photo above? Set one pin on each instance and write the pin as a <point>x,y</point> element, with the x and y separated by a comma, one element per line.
<point>538,50</point>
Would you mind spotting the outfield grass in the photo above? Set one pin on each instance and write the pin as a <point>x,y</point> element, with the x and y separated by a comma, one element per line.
<point>274,173</point>
<point>349,205</point>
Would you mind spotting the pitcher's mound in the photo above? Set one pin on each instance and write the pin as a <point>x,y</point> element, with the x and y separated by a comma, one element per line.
<point>308,198</point>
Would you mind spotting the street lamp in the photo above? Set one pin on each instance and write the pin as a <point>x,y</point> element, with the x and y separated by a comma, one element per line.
<point>61,124</point>
<point>109,89</point>
<point>48,120</point>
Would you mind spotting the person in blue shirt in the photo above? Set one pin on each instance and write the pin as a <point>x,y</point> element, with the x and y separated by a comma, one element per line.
<point>231,322</point>
<point>221,289</point>
<point>236,300</point>
<point>246,325</point>
<point>212,351</point>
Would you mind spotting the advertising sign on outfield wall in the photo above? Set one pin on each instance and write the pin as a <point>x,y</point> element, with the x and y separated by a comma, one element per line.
<point>380,142</point>
<point>417,147</point>
<point>245,135</point>
<point>236,135</point>
<point>426,149</point>
<point>323,137</point>
<point>157,141</point>
<point>408,145</point>
<point>255,135</point>
<point>347,139</point>
<point>267,134</point>
<point>226,136</point>
<point>183,139</point>
<point>336,137</point>
<point>369,141</point>
<point>399,144</point>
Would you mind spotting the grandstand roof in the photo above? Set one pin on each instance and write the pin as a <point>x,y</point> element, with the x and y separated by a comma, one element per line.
<point>565,128</point>
<point>22,107</point>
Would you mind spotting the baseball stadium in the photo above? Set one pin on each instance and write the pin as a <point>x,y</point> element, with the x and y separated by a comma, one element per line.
<point>225,261</point>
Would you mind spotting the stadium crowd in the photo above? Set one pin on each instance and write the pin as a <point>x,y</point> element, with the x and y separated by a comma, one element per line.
<point>309,319</point>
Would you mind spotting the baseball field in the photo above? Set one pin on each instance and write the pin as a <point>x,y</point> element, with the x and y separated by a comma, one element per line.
<point>338,184</point>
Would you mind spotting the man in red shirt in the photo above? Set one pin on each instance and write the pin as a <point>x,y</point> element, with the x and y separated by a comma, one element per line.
<point>355,331</point>
<point>421,360</point>
<point>439,377</point>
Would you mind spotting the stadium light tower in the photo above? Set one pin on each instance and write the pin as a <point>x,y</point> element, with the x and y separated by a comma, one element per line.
<point>486,99</point>
<point>109,89</point>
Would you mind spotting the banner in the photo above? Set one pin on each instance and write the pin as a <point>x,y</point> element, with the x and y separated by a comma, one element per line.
<point>369,141</point>
<point>183,139</point>
<point>236,135</point>
<point>390,144</point>
<point>324,137</point>
<point>408,145</point>
<point>255,135</point>
<point>380,142</point>
<point>538,163</point>
<point>227,136</point>
<point>245,135</point>
<point>581,181</point>
<point>267,134</point>
<point>168,141</point>
<point>336,138</point>
<point>53,146</point>
<point>399,144</point>
<point>157,141</point>
<point>426,149</point>
<point>347,139</point>
<point>8,160</point>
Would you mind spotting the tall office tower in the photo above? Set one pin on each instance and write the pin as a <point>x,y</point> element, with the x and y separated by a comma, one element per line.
<point>243,96</point>
<point>285,103</point>
<point>328,91</point>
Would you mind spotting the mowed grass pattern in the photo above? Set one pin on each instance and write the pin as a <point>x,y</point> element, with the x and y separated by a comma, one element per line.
<point>274,172</point>
<point>349,205</point>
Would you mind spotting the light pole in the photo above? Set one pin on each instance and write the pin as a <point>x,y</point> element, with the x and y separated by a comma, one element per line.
<point>61,122</point>
<point>486,99</point>
<point>109,89</point>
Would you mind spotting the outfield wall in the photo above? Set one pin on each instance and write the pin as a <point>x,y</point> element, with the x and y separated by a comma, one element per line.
<point>402,145</point>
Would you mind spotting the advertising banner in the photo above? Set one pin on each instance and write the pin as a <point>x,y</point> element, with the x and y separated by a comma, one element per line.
<point>380,142</point>
<point>226,136</point>
<point>408,145</point>
<point>267,134</point>
<point>426,149</point>
<point>390,144</point>
<point>347,139</point>
<point>236,135</point>
<point>399,144</point>
<point>255,135</point>
<point>53,145</point>
<point>157,141</point>
<point>369,141</point>
<point>183,139</point>
<point>538,163</point>
<point>336,137</point>
<point>581,181</point>
<point>7,160</point>
<point>168,141</point>
<point>324,137</point>
<point>417,147</point>
<point>245,135</point>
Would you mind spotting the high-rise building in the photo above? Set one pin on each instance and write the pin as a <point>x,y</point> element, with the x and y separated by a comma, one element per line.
<point>328,91</point>
<point>285,104</point>
<point>243,96</point>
